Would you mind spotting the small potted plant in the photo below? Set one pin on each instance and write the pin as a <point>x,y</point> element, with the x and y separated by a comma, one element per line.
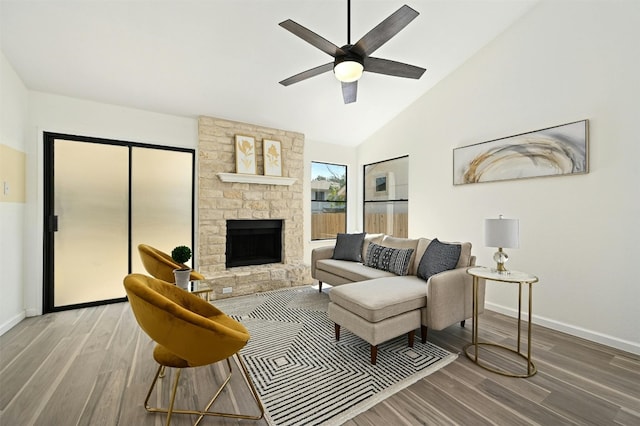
<point>181,254</point>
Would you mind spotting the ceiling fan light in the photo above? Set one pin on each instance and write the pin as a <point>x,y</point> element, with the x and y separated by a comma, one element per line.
<point>348,71</point>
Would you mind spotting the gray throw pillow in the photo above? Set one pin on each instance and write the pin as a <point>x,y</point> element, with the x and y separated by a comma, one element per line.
<point>438,257</point>
<point>389,259</point>
<point>349,247</point>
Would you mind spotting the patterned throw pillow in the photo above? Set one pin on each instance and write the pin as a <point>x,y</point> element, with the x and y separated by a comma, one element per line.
<point>389,259</point>
<point>438,257</point>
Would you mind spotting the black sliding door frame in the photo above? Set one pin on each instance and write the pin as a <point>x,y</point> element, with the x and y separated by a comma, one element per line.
<point>50,220</point>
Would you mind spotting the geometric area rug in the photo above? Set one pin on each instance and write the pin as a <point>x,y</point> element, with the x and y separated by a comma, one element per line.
<point>305,377</point>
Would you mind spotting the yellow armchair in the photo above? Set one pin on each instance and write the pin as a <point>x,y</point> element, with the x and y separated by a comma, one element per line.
<point>189,332</point>
<point>160,265</point>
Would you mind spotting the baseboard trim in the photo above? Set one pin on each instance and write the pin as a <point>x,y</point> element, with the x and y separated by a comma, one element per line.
<point>8,325</point>
<point>583,333</point>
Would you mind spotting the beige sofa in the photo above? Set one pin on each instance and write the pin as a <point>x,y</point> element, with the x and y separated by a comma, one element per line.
<point>373,300</point>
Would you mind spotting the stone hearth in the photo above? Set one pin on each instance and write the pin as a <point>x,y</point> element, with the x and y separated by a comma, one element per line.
<point>219,201</point>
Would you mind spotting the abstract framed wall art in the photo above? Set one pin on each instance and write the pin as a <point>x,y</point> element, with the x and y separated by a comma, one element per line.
<point>245,155</point>
<point>272,157</point>
<point>554,151</point>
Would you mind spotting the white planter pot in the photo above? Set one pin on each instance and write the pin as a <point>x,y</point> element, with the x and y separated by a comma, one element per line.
<point>182,277</point>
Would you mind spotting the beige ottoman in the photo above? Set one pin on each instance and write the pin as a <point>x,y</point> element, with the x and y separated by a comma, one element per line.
<point>378,310</point>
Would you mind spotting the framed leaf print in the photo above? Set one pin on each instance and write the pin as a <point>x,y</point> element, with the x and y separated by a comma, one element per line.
<point>272,158</point>
<point>245,155</point>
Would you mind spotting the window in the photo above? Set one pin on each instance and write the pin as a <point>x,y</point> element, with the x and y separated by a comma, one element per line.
<point>328,200</point>
<point>386,197</point>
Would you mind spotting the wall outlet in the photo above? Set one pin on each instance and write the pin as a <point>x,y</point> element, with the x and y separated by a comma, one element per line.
<point>227,290</point>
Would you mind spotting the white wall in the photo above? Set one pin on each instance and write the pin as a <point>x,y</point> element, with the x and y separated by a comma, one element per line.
<point>336,154</point>
<point>562,62</point>
<point>13,119</point>
<point>52,113</point>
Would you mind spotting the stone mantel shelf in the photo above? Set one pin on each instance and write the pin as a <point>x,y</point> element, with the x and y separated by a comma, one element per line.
<point>259,179</point>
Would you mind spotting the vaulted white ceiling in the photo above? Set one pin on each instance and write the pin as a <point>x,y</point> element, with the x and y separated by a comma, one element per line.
<point>224,58</point>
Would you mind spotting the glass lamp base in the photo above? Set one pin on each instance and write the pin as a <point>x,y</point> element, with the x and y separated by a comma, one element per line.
<point>500,258</point>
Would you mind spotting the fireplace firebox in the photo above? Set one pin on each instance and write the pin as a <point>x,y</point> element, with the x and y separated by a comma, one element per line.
<point>253,242</point>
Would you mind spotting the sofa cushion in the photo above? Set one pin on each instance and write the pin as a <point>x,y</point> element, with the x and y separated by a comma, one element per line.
<point>389,259</point>
<point>352,271</point>
<point>370,238</point>
<point>465,255</point>
<point>438,257</point>
<point>349,247</point>
<point>395,242</point>
<point>376,300</point>
<point>403,243</point>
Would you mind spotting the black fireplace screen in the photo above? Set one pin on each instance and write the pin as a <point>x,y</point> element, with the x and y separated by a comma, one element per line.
<point>253,242</point>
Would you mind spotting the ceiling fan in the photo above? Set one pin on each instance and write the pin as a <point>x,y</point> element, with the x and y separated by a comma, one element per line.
<point>350,61</point>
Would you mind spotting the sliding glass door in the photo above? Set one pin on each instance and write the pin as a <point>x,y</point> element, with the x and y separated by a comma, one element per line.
<point>103,198</point>
<point>92,209</point>
<point>161,201</point>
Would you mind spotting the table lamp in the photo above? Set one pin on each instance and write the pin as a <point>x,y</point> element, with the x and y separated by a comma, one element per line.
<point>501,233</point>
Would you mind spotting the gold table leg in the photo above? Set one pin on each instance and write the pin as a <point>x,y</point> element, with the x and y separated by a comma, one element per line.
<point>474,329</point>
<point>519,313</point>
<point>531,368</point>
<point>529,363</point>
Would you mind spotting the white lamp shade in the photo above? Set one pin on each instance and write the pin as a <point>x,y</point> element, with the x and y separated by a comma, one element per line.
<point>502,233</point>
<point>348,71</point>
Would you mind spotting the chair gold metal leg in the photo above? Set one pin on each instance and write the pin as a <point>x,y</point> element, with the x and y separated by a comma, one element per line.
<point>173,396</point>
<point>215,396</point>
<point>252,387</point>
<point>171,410</point>
<point>249,383</point>
<point>153,383</point>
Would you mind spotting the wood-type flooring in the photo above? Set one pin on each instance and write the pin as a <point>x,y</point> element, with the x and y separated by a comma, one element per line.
<point>93,367</point>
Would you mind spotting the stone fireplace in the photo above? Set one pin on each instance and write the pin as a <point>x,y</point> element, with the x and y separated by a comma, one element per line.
<point>224,200</point>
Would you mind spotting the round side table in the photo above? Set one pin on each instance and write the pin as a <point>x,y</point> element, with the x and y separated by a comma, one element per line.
<point>515,277</point>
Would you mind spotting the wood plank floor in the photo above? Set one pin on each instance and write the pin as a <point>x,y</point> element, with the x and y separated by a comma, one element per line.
<point>93,367</point>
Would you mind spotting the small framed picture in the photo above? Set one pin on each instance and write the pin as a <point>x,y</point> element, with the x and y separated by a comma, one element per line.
<point>272,158</point>
<point>245,155</point>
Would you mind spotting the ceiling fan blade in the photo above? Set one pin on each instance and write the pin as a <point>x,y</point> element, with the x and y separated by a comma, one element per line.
<point>350,92</point>
<point>312,38</point>
<point>396,69</point>
<point>307,74</point>
<point>386,29</point>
